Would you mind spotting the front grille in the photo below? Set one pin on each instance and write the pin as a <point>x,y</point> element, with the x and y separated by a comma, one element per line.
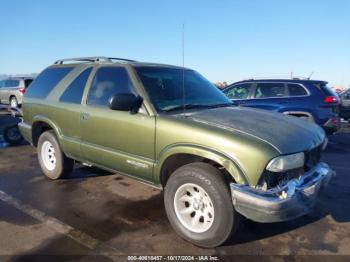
<point>312,157</point>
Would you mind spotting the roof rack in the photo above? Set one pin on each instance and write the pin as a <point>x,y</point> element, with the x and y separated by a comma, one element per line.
<point>277,78</point>
<point>92,59</point>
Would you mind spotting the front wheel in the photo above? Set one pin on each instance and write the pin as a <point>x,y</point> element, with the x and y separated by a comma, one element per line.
<point>199,206</point>
<point>52,160</point>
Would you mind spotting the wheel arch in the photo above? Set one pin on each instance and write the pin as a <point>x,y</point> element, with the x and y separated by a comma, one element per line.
<point>174,157</point>
<point>41,124</point>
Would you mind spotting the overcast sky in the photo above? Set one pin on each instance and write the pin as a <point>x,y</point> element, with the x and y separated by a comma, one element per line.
<point>224,40</point>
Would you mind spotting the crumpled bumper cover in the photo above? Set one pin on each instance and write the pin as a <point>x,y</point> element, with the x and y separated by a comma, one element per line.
<point>293,200</point>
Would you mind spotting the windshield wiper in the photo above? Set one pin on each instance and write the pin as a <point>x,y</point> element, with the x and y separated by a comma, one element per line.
<point>195,106</point>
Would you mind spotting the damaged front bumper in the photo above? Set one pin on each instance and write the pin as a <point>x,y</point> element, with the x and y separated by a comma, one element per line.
<point>293,200</point>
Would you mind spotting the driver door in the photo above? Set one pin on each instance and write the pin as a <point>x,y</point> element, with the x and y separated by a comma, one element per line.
<point>116,140</point>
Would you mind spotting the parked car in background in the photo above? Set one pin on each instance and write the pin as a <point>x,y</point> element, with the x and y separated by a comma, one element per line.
<point>311,100</point>
<point>12,90</point>
<point>345,104</point>
<point>216,161</point>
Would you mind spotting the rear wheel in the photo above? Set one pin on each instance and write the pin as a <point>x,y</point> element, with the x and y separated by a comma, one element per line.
<point>199,206</point>
<point>13,101</point>
<point>12,135</point>
<point>53,161</point>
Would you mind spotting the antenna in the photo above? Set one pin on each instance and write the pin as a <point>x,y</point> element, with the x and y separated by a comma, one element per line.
<point>310,75</point>
<point>183,71</point>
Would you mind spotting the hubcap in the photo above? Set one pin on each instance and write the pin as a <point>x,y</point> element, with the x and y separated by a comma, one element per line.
<point>13,102</point>
<point>48,155</point>
<point>194,208</point>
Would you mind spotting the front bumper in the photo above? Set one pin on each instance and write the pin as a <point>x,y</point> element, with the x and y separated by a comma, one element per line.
<point>293,200</point>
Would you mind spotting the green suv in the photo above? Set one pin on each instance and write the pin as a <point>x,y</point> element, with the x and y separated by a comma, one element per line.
<point>169,127</point>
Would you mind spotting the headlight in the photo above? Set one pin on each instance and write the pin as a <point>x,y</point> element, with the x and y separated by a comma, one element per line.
<point>284,163</point>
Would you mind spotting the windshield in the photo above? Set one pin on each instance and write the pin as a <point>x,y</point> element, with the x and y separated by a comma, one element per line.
<point>165,89</point>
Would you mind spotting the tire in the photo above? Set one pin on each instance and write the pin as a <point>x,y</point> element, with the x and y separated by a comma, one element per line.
<point>13,101</point>
<point>53,162</point>
<point>12,135</point>
<point>217,227</point>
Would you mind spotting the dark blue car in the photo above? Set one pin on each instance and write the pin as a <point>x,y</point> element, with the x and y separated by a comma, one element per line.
<point>311,100</point>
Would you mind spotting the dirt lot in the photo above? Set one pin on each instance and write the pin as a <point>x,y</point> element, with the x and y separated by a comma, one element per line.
<point>95,214</point>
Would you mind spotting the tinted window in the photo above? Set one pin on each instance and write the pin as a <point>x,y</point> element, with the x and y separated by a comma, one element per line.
<point>328,91</point>
<point>296,90</point>
<point>266,90</point>
<point>27,82</point>
<point>2,83</point>
<point>165,88</point>
<point>239,91</point>
<point>46,81</point>
<point>74,91</point>
<point>11,83</point>
<point>109,81</point>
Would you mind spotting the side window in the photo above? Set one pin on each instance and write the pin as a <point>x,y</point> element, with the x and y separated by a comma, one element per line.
<point>296,90</point>
<point>269,90</point>
<point>239,91</point>
<point>2,83</point>
<point>109,81</point>
<point>74,92</point>
<point>11,83</point>
<point>46,81</point>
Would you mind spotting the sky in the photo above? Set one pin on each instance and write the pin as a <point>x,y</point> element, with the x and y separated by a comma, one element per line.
<point>226,40</point>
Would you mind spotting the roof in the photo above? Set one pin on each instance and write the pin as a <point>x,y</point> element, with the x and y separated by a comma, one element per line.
<point>110,60</point>
<point>290,80</point>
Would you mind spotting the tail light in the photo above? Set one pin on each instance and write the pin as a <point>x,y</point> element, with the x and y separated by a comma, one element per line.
<point>330,99</point>
<point>22,90</point>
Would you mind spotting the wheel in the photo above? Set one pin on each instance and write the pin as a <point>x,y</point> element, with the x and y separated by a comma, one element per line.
<point>199,206</point>
<point>52,160</point>
<point>12,135</point>
<point>13,102</point>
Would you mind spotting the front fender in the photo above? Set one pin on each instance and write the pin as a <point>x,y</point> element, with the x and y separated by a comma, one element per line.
<point>231,165</point>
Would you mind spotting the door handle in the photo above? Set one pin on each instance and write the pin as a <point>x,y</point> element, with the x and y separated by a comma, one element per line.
<point>84,116</point>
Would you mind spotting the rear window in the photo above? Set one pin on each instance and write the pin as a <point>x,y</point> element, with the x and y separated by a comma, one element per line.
<point>27,82</point>
<point>328,91</point>
<point>296,90</point>
<point>46,81</point>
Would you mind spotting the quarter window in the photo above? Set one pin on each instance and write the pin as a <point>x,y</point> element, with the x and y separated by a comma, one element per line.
<point>74,92</point>
<point>268,90</point>
<point>239,91</point>
<point>11,83</point>
<point>109,81</point>
<point>296,90</point>
<point>46,81</point>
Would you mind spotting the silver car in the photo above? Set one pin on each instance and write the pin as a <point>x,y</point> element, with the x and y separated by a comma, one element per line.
<point>12,90</point>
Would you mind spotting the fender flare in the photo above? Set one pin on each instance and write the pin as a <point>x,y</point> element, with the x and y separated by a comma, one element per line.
<point>230,164</point>
<point>46,120</point>
<point>291,112</point>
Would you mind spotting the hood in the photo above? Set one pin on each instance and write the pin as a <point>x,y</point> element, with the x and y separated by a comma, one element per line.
<point>287,134</point>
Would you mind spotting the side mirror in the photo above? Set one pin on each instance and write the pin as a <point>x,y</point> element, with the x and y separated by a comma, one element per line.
<point>125,102</point>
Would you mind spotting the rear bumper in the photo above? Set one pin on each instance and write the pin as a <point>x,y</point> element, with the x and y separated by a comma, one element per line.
<point>295,199</point>
<point>26,131</point>
<point>332,125</point>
